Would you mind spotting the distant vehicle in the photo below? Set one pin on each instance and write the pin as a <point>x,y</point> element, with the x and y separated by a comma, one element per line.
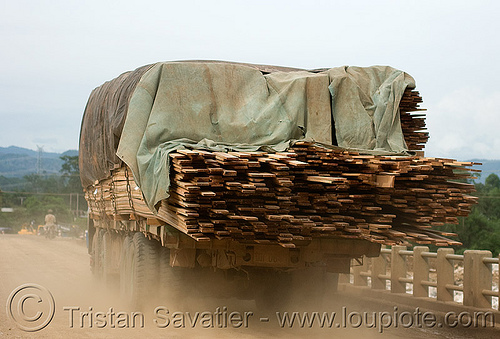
<point>6,230</point>
<point>64,230</point>
<point>27,229</point>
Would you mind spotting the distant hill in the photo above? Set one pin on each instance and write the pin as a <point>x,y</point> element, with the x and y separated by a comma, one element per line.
<point>16,162</point>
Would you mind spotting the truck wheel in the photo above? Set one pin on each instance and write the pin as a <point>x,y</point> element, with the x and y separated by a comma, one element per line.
<point>110,252</point>
<point>96,257</point>
<point>93,240</point>
<point>106,256</point>
<point>125,269</point>
<point>144,268</point>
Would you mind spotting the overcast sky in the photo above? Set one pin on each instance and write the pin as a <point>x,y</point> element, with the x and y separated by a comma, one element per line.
<point>53,53</point>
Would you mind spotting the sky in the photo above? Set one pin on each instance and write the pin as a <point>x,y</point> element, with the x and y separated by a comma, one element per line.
<point>53,53</point>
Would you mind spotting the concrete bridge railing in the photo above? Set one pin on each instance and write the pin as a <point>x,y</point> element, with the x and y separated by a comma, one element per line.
<point>466,279</point>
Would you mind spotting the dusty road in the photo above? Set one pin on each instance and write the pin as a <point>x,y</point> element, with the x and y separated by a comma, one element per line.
<point>86,309</point>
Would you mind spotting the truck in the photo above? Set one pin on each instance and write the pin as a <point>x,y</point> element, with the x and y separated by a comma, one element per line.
<point>211,178</point>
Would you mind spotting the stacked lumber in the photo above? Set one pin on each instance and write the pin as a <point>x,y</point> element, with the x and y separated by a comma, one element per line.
<point>292,197</point>
<point>413,120</point>
<point>118,196</point>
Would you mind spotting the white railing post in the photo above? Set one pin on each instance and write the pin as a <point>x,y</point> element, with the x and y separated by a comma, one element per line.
<point>477,277</point>
<point>445,275</point>
<point>398,270</point>
<point>379,267</point>
<point>477,285</point>
<point>420,272</point>
<point>498,281</point>
<point>359,279</point>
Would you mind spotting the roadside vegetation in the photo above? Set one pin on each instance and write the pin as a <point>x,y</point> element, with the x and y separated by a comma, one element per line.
<point>481,229</point>
<point>62,193</point>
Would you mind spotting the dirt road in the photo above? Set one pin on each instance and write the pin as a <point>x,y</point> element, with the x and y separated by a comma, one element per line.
<point>84,308</point>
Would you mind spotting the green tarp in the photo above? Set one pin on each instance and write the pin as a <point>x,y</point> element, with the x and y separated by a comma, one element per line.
<point>229,106</point>
<point>365,107</point>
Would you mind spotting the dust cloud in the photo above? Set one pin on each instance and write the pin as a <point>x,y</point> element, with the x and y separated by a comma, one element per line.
<point>87,308</point>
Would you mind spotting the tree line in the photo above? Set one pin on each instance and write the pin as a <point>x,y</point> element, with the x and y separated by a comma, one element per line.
<point>481,229</point>
<point>62,193</point>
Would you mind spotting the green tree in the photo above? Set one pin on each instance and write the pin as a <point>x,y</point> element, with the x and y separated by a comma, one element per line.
<point>492,181</point>
<point>71,174</point>
<point>43,183</point>
<point>38,205</point>
<point>481,229</point>
<point>40,193</point>
<point>67,182</point>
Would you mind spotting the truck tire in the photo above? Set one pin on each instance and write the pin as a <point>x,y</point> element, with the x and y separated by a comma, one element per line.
<point>110,252</point>
<point>106,256</point>
<point>96,258</point>
<point>144,269</point>
<point>93,241</point>
<point>125,269</point>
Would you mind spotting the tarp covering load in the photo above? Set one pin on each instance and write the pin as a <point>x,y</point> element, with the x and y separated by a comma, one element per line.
<point>144,115</point>
<point>102,126</point>
<point>365,107</point>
